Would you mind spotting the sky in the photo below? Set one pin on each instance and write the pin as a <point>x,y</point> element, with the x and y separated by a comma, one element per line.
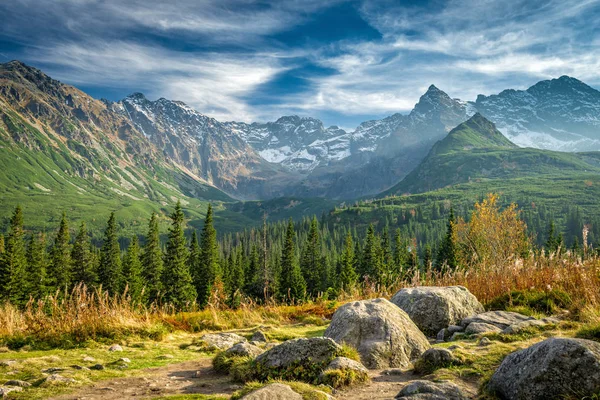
<point>341,61</point>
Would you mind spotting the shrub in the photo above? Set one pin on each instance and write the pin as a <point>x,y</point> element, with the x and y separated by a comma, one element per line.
<point>338,378</point>
<point>547,302</point>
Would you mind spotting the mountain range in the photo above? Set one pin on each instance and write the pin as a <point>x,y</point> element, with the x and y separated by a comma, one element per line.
<point>57,141</point>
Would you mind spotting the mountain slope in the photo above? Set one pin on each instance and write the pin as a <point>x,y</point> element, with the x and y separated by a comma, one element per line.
<point>475,150</point>
<point>559,114</point>
<point>202,145</point>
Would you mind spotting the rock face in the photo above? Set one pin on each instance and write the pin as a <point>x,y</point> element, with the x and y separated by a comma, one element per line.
<point>298,352</point>
<point>221,341</point>
<point>427,390</point>
<point>383,334</point>
<point>274,391</point>
<point>557,366</point>
<point>433,308</point>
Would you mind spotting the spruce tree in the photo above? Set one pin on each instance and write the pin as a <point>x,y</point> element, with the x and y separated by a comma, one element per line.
<point>208,266</point>
<point>132,270</point>
<point>110,274</point>
<point>36,266</point>
<point>152,262</point>
<point>446,256</point>
<point>400,254</point>
<point>177,280</point>
<point>194,257</point>
<point>82,257</point>
<point>13,281</point>
<point>552,242</point>
<point>292,287</point>
<point>236,278</point>
<point>252,277</point>
<point>427,257</point>
<point>371,256</point>
<point>347,276</point>
<point>1,243</point>
<point>60,272</point>
<point>311,263</point>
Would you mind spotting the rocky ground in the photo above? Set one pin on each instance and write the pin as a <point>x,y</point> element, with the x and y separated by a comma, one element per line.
<point>473,356</point>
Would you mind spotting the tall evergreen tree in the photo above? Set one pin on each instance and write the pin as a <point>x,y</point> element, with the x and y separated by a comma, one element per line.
<point>13,264</point>
<point>400,254</point>
<point>36,266</point>
<point>177,280</point>
<point>347,276</point>
<point>427,257</point>
<point>292,286</point>
<point>446,256</point>
<point>132,270</point>
<point>60,272</point>
<point>371,256</point>
<point>236,278</point>
<point>252,277</point>
<point>82,257</point>
<point>110,274</point>
<point>311,263</point>
<point>208,267</point>
<point>152,262</point>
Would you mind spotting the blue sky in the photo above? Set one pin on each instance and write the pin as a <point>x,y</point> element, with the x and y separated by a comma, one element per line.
<point>341,61</point>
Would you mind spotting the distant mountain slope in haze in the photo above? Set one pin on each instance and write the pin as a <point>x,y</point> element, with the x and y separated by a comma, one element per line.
<point>476,150</point>
<point>560,114</point>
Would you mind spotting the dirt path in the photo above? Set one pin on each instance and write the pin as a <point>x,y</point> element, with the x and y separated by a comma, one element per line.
<point>192,377</point>
<point>198,377</point>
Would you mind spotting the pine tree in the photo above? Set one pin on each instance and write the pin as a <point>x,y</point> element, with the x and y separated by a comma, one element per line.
<point>311,263</point>
<point>400,254</point>
<point>110,274</point>
<point>13,281</point>
<point>427,257</point>
<point>208,268</point>
<point>252,277</point>
<point>371,256</point>
<point>552,243</point>
<point>446,256</point>
<point>60,271</point>
<point>236,279</point>
<point>36,266</point>
<point>152,262</point>
<point>132,270</point>
<point>177,280</point>
<point>387,260</point>
<point>194,258</point>
<point>347,276</point>
<point>82,257</point>
<point>292,286</point>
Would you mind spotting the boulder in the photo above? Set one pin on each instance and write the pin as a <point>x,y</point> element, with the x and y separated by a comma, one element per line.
<point>519,326</point>
<point>259,336</point>
<point>427,390</point>
<point>500,319</point>
<point>557,366</point>
<point>479,328</point>
<point>434,359</point>
<point>446,333</point>
<point>383,334</point>
<point>243,349</point>
<point>18,383</point>
<point>4,391</point>
<point>433,308</point>
<point>299,352</point>
<point>343,371</point>
<point>346,363</point>
<point>115,347</point>
<point>57,380</point>
<point>274,391</point>
<point>221,341</point>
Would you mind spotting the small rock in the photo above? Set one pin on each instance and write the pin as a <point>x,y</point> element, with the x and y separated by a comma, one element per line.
<point>18,383</point>
<point>478,328</point>
<point>500,319</point>
<point>79,367</point>
<point>274,391</point>
<point>4,391</point>
<point>97,367</point>
<point>108,389</point>
<point>115,347</point>
<point>88,359</point>
<point>519,326</point>
<point>454,347</point>
<point>166,357</point>
<point>56,379</point>
<point>426,390</point>
<point>7,363</point>
<point>394,371</point>
<point>457,336</point>
<point>484,342</point>
<point>124,359</point>
<point>259,336</point>
<point>435,358</point>
<point>221,341</point>
<point>53,370</point>
<point>197,374</point>
<point>244,349</point>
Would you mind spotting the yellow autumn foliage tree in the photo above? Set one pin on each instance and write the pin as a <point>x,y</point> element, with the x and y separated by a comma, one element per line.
<point>492,237</point>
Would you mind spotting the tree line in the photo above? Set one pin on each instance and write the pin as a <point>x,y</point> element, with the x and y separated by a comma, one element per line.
<point>283,261</point>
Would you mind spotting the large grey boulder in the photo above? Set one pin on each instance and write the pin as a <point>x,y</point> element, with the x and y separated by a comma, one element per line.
<point>298,352</point>
<point>500,319</point>
<point>274,391</point>
<point>559,367</point>
<point>383,334</point>
<point>427,390</point>
<point>220,341</point>
<point>434,308</point>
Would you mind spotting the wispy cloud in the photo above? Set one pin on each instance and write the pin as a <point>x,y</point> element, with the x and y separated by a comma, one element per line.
<point>221,56</point>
